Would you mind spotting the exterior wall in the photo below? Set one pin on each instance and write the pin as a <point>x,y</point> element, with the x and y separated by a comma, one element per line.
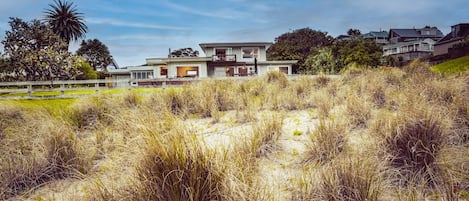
<point>262,55</point>
<point>405,47</point>
<point>121,77</point>
<point>264,69</point>
<point>443,48</point>
<point>202,68</point>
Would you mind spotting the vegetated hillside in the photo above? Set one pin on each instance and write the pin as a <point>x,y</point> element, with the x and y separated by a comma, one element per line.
<point>384,134</point>
<point>453,66</point>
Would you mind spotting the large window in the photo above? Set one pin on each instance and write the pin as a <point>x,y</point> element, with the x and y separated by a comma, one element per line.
<point>142,75</point>
<point>250,52</point>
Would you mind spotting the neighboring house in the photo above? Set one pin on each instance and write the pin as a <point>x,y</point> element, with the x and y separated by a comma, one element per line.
<point>459,33</point>
<point>380,37</point>
<point>222,60</point>
<point>410,44</point>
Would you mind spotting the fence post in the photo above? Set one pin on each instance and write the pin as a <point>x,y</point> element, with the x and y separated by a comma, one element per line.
<point>30,90</point>
<point>96,85</point>
<point>62,89</point>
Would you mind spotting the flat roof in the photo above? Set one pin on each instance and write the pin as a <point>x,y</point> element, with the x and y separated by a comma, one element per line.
<point>235,44</point>
<point>163,61</point>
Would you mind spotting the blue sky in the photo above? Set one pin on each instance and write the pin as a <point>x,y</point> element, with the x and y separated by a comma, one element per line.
<point>138,29</point>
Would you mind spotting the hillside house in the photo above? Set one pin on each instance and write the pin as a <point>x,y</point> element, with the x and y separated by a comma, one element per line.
<point>221,60</point>
<point>380,37</point>
<point>459,33</point>
<point>410,44</point>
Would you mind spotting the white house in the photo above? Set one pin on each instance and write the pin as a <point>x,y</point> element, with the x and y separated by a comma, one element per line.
<point>221,60</point>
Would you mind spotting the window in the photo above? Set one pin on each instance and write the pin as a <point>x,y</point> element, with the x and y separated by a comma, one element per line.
<point>142,75</point>
<point>250,52</point>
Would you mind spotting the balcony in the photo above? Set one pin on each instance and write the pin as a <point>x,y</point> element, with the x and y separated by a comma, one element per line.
<point>224,58</point>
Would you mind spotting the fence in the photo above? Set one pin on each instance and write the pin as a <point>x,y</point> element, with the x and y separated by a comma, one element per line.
<point>9,89</point>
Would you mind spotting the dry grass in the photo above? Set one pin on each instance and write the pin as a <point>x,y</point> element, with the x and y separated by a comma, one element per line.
<point>384,134</point>
<point>327,142</point>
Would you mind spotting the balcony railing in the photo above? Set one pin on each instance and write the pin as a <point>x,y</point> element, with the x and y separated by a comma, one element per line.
<point>224,58</point>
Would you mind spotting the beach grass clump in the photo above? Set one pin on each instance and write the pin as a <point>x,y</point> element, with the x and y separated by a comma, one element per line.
<point>327,142</point>
<point>38,152</point>
<point>175,166</point>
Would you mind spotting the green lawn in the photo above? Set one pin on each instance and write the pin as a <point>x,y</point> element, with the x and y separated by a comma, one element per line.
<point>53,106</point>
<point>87,92</point>
<point>57,105</point>
<point>453,66</point>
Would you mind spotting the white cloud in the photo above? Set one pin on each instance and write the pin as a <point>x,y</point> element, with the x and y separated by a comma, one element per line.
<point>141,37</point>
<point>120,23</point>
<point>218,13</point>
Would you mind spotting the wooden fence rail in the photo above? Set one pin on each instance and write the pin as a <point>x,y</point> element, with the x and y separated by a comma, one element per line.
<point>7,89</point>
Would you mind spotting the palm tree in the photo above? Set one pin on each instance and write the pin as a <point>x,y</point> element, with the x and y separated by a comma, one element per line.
<point>66,21</point>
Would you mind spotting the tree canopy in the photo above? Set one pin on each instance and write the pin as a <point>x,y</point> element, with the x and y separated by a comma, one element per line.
<point>356,50</point>
<point>185,52</point>
<point>34,52</point>
<point>297,45</point>
<point>66,21</point>
<point>96,53</point>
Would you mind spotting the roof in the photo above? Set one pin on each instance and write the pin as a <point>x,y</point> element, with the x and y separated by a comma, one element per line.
<point>461,33</point>
<point>236,44</point>
<point>163,61</point>
<point>415,33</point>
<point>375,34</point>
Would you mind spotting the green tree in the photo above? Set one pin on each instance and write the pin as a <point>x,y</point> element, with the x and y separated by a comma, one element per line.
<point>34,52</point>
<point>298,45</point>
<point>321,61</point>
<point>356,50</point>
<point>66,21</point>
<point>96,53</point>
<point>87,72</point>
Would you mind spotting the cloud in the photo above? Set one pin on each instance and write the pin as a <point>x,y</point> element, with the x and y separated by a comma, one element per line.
<point>120,23</point>
<point>218,13</point>
<point>144,37</point>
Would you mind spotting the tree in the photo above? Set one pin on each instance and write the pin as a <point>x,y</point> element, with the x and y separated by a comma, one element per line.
<point>66,21</point>
<point>185,52</point>
<point>354,32</point>
<point>297,45</point>
<point>87,71</point>
<point>356,50</point>
<point>96,53</point>
<point>322,61</point>
<point>34,52</point>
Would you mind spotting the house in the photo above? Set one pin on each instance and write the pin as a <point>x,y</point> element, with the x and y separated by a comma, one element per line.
<point>410,44</point>
<point>459,33</point>
<point>380,37</point>
<point>221,60</point>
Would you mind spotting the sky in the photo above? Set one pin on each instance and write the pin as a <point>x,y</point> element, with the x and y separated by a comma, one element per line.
<point>134,30</point>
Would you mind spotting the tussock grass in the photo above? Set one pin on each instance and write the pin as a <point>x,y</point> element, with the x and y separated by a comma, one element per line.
<point>384,134</point>
<point>176,167</point>
<point>351,179</point>
<point>413,141</point>
<point>327,142</point>
<point>278,78</point>
<point>91,112</point>
<point>358,111</point>
<point>39,152</point>
<point>264,137</point>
